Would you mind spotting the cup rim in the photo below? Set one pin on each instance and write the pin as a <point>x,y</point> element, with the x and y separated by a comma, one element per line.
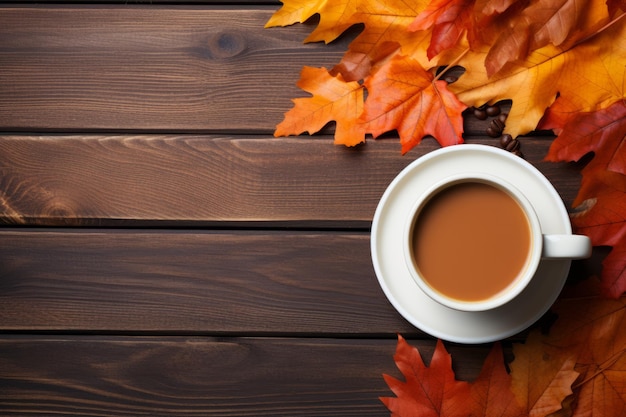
<point>532,263</point>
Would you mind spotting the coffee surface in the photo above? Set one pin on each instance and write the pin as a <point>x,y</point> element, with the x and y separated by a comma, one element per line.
<point>471,241</point>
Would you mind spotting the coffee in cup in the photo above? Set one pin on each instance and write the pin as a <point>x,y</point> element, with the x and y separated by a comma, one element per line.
<point>473,242</point>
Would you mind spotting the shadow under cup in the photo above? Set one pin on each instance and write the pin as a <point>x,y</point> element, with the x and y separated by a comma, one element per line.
<point>473,242</point>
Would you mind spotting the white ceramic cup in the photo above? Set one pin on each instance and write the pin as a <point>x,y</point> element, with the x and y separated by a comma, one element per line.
<point>542,246</point>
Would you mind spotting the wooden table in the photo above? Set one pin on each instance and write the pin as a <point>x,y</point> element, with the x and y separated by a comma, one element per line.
<point>160,252</point>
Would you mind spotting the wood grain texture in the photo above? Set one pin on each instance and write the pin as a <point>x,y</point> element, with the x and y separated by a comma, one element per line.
<point>192,281</point>
<point>208,180</point>
<point>180,68</point>
<point>117,376</point>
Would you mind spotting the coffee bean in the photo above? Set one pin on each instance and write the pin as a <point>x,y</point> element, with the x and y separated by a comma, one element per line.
<point>502,117</point>
<point>518,152</point>
<point>494,133</point>
<point>505,140</point>
<point>492,111</point>
<point>450,79</point>
<point>513,145</point>
<point>480,114</point>
<point>497,125</point>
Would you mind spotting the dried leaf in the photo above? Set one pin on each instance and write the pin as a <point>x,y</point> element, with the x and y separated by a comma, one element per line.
<point>545,22</point>
<point>542,377</point>
<point>487,8</point>
<point>491,393</point>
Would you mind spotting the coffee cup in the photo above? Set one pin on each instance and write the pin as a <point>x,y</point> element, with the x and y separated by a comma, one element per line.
<point>473,242</point>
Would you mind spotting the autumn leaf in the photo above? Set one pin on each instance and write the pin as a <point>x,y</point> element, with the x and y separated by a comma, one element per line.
<point>333,99</point>
<point>429,391</point>
<point>491,393</point>
<point>336,16</point>
<point>403,96</point>
<point>602,195</point>
<point>489,8</point>
<point>541,377</point>
<point>434,391</point>
<point>545,22</point>
<point>616,6</point>
<point>449,20</point>
<point>578,134</point>
<point>383,34</point>
<point>593,329</point>
<point>589,76</point>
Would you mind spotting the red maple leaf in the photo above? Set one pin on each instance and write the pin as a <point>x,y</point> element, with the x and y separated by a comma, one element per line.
<point>426,391</point>
<point>602,195</point>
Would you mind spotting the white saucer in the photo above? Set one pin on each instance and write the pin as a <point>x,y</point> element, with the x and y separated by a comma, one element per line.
<point>388,255</point>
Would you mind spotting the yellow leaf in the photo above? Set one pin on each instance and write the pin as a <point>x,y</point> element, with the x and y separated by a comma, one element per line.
<point>335,17</point>
<point>385,31</point>
<point>589,76</point>
<point>295,11</point>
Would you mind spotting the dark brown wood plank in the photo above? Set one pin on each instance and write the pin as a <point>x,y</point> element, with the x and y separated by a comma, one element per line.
<point>208,180</point>
<point>192,281</point>
<point>91,180</point>
<point>80,375</point>
<point>180,68</point>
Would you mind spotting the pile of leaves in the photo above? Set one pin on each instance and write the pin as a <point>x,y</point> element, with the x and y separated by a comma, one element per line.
<point>562,63</point>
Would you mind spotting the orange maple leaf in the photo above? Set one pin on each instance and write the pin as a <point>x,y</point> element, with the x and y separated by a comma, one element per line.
<point>333,99</point>
<point>404,96</point>
<point>602,195</point>
<point>429,391</point>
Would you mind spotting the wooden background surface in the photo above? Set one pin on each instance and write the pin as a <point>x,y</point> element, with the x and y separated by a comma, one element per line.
<point>160,252</point>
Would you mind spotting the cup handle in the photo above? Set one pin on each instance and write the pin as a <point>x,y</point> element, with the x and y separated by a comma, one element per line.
<point>566,246</point>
